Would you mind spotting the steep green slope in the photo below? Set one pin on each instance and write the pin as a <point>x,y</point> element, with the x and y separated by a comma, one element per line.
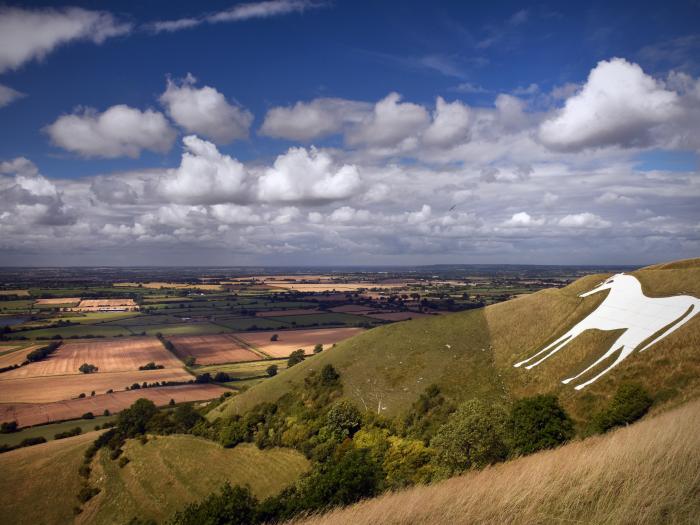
<point>471,354</point>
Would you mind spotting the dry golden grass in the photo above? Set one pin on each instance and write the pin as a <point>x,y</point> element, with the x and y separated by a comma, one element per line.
<point>647,473</point>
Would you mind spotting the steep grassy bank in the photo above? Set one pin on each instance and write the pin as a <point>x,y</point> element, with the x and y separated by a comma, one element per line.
<point>646,473</point>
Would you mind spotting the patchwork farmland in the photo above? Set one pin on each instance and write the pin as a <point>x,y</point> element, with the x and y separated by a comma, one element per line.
<point>165,338</point>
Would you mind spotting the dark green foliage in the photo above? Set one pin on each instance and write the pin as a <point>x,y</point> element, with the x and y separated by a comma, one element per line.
<point>8,427</point>
<point>349,476</point>
<point>134,420</point>
<point>32,441</point>
<point>106,412</point>
<point>43,352</point>
<point>329,376</point>
<point>87,493</point>
<point>428,413</point>
<point>123,462</point>
<point>84,470</point>
<point>88,415</point>
<point>343,419</point>
<point>274,337</point>
<point>474,436</point>
<point>271,370</point>
<point>295,358</point>
<point>151,366</point>
<point>87,368</point>
<point>318,348</point>
<point>115,453</point>
<point>190,360</point>
<point>629,403</point>
<point>68,433</point>
<point>203,378</point>
<point>231,506</point>
<point>538,423</point>
<point>221,377</point>
<point>186,417</point>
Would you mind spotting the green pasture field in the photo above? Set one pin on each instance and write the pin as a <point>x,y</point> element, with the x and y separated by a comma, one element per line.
<point>324,319</point>
<point>49,431</point>
<point>180,329</point>
<point>247,370</point>
<point>247,323</point>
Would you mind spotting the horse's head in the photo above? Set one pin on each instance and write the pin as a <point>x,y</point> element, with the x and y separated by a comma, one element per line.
<point>607,284</point>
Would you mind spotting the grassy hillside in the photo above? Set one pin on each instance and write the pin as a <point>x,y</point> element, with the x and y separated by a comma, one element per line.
<point>162,476</point>
<point>646,473</point>
<point>471,354</point>
<point>38,484</point>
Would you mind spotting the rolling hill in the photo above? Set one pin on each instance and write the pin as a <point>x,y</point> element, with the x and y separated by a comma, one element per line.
<point>471,354</point>
<point>162,476</point>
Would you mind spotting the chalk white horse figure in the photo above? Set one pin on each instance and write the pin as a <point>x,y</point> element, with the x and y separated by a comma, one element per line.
<point>626,307</point>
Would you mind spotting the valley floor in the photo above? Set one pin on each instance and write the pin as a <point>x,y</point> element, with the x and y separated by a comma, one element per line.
<point>642,474</point>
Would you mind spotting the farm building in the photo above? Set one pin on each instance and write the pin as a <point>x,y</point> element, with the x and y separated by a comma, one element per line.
<point>105,305</point>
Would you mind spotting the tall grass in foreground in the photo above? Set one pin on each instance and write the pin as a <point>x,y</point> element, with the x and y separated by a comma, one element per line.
<point>645,473</point>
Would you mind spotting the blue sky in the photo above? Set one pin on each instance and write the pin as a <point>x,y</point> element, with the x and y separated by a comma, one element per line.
<point>507,74</point>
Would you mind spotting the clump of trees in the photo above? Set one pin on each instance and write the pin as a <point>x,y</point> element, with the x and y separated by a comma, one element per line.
<point>68,433</point>
<point>87,368</point>
<point>296,357</point>
<point>43,352</point>
<point>271,370</point>
<point>538,423</point>
<point>629,404</point>
<point>151,366</point>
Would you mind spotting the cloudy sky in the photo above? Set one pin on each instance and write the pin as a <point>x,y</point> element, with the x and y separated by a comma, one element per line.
<point>344,132</point>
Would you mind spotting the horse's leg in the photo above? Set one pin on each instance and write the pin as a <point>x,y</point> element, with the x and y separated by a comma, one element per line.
<point>624,352</point>
<point>602,358</point>
<point>561,341</point>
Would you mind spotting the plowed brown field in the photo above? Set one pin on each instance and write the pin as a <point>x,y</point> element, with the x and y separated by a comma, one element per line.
<point>46,389</point>
<point>212,349</point>
<point>27,414</point>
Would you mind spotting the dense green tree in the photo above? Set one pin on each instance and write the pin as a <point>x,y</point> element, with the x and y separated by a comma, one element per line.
<point>629,403</point>
<point>329,375</point>
<point>474,436</point>
<point>343,419</point>
<point>231,506</point>
<point>134,420</point>
<point>271,370</point>
<point>538,423</point>
<point>295,358</point>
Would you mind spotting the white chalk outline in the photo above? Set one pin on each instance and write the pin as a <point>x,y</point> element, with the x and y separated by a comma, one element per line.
<point>625,307</point>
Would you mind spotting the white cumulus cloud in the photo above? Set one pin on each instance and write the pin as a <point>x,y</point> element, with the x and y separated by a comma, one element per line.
<point>205,111</point>
<point>618,106</point>
<point>117,132</point>
<point>391,122</point>
<point>308,175</point>
<point>309,120</point>
<point>205,176</point>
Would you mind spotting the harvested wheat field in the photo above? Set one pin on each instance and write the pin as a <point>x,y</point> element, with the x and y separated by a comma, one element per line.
<point>646,473</point>
<point>15,357</point>
<point>46,389</point>
<point>212,349</point>
<point>291,340</point>
<point>116,355</point>
<point>397,316</point>
<point>28,414</point>
<point>58,300</point>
